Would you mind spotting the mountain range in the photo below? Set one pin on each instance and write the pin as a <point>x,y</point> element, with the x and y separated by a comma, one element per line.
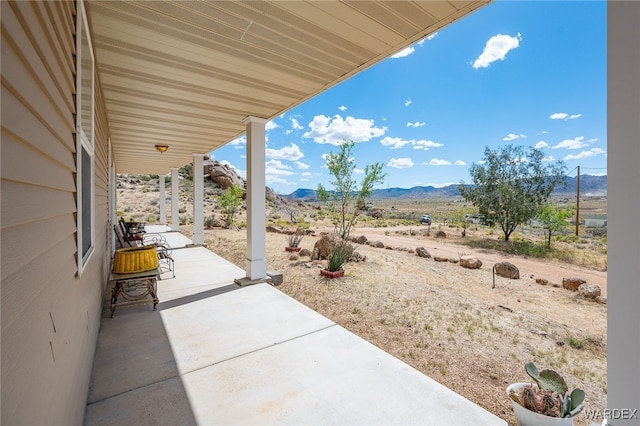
<point>589,186</point>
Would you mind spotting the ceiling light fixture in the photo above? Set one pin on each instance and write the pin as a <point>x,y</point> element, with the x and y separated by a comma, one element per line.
<point>162,148</point>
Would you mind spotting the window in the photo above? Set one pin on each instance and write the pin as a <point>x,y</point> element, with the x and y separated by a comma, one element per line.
<point>84,140</point>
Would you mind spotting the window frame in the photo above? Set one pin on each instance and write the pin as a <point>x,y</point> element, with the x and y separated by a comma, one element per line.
<point>85,183</point>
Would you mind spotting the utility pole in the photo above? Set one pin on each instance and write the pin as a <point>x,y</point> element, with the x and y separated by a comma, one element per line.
<point>578,203</point>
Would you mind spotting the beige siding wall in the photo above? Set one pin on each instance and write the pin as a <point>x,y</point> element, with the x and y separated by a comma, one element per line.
<point>49,317</point>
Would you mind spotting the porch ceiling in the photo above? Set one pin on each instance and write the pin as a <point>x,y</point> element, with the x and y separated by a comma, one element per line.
<point>186,73</point>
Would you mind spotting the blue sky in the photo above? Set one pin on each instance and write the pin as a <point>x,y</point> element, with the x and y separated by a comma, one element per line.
<point>519,72</point>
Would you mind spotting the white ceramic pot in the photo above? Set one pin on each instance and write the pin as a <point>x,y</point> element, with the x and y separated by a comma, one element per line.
<point>526,417</point>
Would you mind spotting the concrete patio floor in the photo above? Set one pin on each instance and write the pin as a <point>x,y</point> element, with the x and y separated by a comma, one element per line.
<point>217,353</point>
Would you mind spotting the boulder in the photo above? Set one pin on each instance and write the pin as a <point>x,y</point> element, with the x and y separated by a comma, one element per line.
<point>357,257</point>
<point>601,299</point>
<point>572,283</point>
<point>507,270</point>
<point>440,259</point>
<point>441,234</point>
<point>323,246</point>
<point>224,175</point>
<point>470,262</point>
<point>589,291</point>
<point>359,240</point>
<point>294,256</point>
<point>542,281</point>
<point>376,244</point>
<point>274,229</point>
<point>304,252</point>
<point>422,252</point>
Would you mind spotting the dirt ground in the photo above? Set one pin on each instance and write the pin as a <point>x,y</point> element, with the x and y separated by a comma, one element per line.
<point>448,321</point>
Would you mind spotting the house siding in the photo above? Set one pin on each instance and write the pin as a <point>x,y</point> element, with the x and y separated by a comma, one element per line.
<point>49,317</point>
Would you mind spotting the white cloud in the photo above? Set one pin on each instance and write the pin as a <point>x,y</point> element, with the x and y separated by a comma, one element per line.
<point>400,163</point>
<point>432,36</point>
<point>438,162</point>
<point>558,116</point>
<point>407,102</point>
<point>575,143</point>
<point>435,185</point>
<point>460,163</point>
<point>404,52</point>
<point>358,171</point>
<point>541,144</point>
<point>425,144</point>
<point>291,153</point>
<point>270,125</point>
<point>585,154</point>
<point>277,179</point>
<point>306,174</point>
<point>548,159</point>
<point>481,162</point>
<point>295,124</point>
<point>242,140</point>
<point>416,124</point>
<point>513,136</point>
<point>594,140</point>
<point>394,143</point>
<point>496,48</point>
<point>564,116</point>
<point>301,165</point>
<point>325,156</point>
<point>335,130</point>
<point>342,108</point>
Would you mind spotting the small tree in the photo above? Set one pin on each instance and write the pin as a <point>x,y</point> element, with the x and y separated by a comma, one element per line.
<point>553,219</point>
<point>230,200</point>
<point>348,196</point>
<point>511,185</point>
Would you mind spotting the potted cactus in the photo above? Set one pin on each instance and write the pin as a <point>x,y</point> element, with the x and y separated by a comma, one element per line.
<point>545,402</point>
<point>293,241</point>
<point>339,254</point>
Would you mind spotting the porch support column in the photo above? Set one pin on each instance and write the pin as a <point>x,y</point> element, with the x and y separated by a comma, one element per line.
<point>198,201</point>
<point>256,266</point>
<point>163,200</point>
<point>623,200</point>
<point>175,220</point>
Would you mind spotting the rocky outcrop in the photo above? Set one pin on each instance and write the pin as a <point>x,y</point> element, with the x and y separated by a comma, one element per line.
<point>323,246</point>
<point>359,240</point>
<point>224,175</point>
<point>572,283</point>
<point>441,234</point>
<point>507,270</point>
<point>470,262</point>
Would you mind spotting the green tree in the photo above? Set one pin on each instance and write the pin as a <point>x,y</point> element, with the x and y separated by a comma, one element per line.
<point>511,185</point>
<point>230,201</point>
<point>553,219</point>
<point>348,196</point>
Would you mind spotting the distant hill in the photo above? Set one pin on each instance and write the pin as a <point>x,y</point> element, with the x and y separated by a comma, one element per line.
<point>589,186</point>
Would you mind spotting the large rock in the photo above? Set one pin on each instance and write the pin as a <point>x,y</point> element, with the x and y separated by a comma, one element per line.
<point>572,283</point>
<point>359,240</point>
<point>507,270</point>
<point>441,234</point>
<point>224,175</point>
<point>376,244</point>
<point>323,246</point>
<point>589,291</point>
<point>470,262</point>
<point>422,252</point>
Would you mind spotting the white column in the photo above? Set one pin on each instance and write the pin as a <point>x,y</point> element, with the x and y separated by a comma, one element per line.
<point>175,203</point>
<point>256,211</point>
<point>623,157</point>
<point>163,200</point>
<point>198,199</point>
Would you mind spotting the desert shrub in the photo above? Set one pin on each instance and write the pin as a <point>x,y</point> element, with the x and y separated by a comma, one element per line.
<point>294,240</point>
<point>119,213</point>
<point>338,255</point>
<point>209,221</point>
<point>151,218</point>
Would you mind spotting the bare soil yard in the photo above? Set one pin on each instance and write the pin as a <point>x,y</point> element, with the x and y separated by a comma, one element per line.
<point>448,321</point>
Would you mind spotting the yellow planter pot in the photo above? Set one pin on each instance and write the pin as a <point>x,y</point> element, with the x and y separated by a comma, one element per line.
<point>135,259</point>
